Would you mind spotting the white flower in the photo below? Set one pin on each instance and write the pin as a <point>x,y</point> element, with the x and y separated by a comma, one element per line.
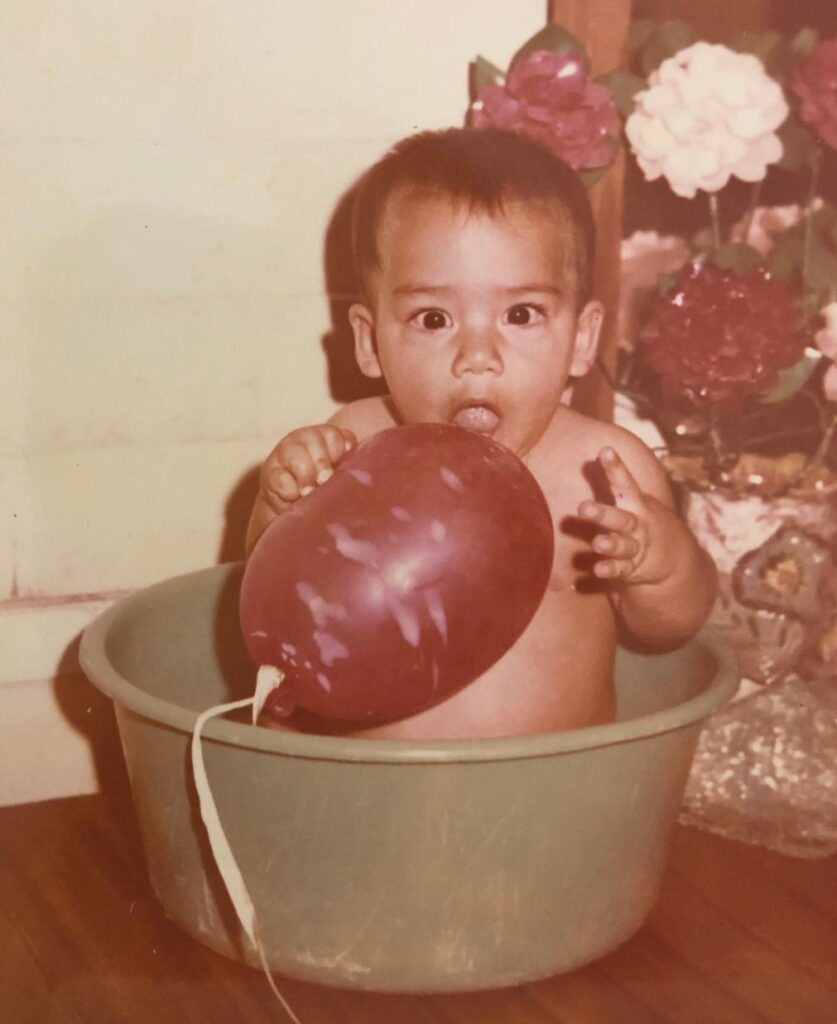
<point>708,113</point>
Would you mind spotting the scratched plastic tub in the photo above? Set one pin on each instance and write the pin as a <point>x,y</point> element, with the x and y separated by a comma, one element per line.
<point>390,865</point>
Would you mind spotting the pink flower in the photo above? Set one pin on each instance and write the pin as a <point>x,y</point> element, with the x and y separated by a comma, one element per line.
<point>829,383</point>
<point>548,97</point>
<point>767,222</point>
<point>643,257</point>
<point>826,341</point>
<point>814,81</point>
<point>716,337</point>
<point>826,338</point>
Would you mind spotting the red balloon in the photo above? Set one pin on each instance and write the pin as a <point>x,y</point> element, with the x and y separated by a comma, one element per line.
<point>401,579</point>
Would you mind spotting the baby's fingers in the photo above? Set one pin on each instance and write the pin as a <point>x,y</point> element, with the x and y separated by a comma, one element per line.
<point>621,551</point>
<point>298,460</point>
<point>616,546</point>
<point>338,441</point>
<point>302,460</point>
<point>625,489</point>
<point>324,446</point>
<point>609,517</point>
<point>613,568</point>
<point>278,483</point>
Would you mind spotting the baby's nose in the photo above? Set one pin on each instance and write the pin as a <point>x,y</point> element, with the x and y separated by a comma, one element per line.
<point>478,351</point>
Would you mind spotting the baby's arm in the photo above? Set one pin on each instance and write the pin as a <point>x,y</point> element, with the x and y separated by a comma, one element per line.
<point>663,582</point>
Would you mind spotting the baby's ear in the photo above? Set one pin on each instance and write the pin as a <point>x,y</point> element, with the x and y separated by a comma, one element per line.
<point>588,331</point>
<point>366,351</point>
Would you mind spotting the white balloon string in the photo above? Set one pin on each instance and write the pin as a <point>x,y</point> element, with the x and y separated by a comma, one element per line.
<point>268,679</point>
<point>221,850</point>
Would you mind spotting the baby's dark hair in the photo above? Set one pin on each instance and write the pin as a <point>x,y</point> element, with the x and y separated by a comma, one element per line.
<point>484,169</point>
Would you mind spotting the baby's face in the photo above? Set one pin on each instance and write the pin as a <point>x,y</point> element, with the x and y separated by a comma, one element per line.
<point>473,319</point>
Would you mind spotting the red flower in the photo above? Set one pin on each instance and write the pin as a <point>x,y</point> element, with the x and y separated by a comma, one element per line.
<point>548,97</point>
<point>814,81</point>
<point>716,336</point>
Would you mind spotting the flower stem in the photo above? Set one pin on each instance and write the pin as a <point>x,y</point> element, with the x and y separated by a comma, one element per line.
<point>809,227</point>
<point>716,221</point>
<point>823,448</point>
<point>780,435</point>
<point>620,384</point>
<point>751,212</point>
<point>718,455</point>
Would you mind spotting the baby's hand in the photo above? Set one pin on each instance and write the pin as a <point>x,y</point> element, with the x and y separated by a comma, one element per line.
<point>303,459</point>
<point>638,537</point>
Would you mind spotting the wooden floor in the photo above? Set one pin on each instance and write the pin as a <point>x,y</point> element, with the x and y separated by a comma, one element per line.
<point>739,936</point>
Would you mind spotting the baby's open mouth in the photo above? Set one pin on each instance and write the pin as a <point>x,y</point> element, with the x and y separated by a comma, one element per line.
<point>481,417</point>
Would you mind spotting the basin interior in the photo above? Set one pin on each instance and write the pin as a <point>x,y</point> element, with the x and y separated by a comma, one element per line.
<point>183,646</point>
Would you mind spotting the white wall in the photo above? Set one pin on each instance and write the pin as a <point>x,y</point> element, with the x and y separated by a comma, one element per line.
<point>169,171</point>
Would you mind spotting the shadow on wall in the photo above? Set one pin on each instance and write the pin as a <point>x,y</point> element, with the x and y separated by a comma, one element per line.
<point>345,381</point>
<point>88,711</point>
<point>236,516</point>
<point>91,714</point>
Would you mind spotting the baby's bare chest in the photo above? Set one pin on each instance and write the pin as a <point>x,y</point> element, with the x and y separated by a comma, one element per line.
<point>572,535</point>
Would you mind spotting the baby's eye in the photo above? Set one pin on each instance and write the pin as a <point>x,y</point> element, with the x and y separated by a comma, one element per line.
<point>525,314</point>
<point>431,319</point>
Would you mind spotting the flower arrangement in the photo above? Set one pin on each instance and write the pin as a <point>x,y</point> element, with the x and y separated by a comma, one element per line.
<point>735,359</point>
<point>549,97</point>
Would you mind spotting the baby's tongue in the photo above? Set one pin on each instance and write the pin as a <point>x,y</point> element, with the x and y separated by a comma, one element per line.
<point>478,418</point>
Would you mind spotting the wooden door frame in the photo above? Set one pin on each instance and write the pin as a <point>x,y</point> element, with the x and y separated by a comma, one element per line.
<point>602,26</point>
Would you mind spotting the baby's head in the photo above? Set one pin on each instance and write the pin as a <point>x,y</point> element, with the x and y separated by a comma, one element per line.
<point>474,252</point>
<point>482,171</point>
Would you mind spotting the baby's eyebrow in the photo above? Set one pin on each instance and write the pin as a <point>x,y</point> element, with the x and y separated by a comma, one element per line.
<point>511,290</point>
<point>528,289</point>
<point>423,289</point>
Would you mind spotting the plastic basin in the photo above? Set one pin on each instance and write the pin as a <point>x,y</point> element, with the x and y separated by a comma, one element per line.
<point>390,865</point>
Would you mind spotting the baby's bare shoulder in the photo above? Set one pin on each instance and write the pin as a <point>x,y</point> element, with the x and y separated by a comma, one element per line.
<point>365,417</point>
<point>637,456</point>
<point>578,439</point>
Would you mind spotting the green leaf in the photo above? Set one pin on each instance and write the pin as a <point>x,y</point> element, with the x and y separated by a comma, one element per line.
<point>591,177</point>
<point>821,264</point>
<point>555,39</point>
<point>703,240</point>
<point>798,144</point>
<point>824,217</point>
<point>804,40</point>
<point>793,378</point>
<point>737,256</point>
<point>669,37</point>
<point>623,88</point>
<point>640,31</point>
<point>812,302</point>
<point>785,258</point>
<point>770,47</point>
<point>484,73</point>
<point>664,282</point>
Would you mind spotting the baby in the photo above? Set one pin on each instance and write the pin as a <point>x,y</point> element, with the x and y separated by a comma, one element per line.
<point>474,252</point>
